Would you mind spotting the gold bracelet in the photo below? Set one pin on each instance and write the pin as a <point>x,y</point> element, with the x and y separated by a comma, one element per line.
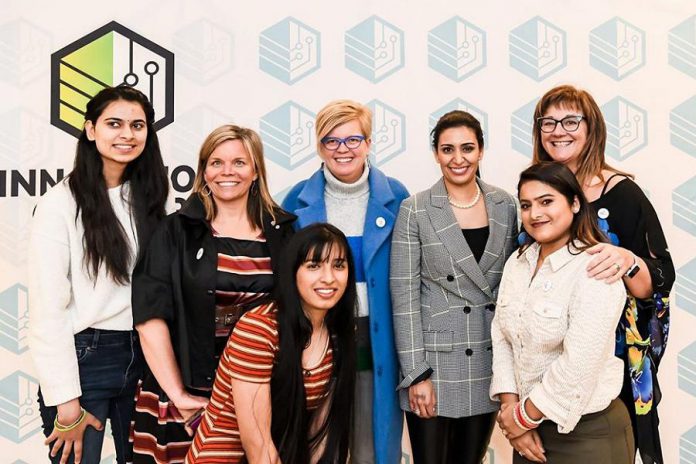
<point>66,428</point>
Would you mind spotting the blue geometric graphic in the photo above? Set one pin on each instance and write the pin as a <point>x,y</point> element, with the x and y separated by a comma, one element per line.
<point>192,127</point>
<point>288,135</point>
<point>627,128</point>
<point>14,318</point>
<point>459,104</point>
<point>521,126</point>
<point>682,48</point>
<point>684,210</point>
<point>687,447</point>
<point>685,287</point>
<point>289,50</point>
<point>537,48</point>
<point>686,369</point>
<point>617,48</point>
<point>388,132</point>
<point>23,51</point>
<point>682,126</point>
<point>18,418</point>
<point>456,49</point>
<point>203,51</point>
<point>374,49</point>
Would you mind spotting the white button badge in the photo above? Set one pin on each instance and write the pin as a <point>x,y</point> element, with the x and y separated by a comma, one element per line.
<point>380,222</point>
<point>199,255</point>
<point>603,213</point>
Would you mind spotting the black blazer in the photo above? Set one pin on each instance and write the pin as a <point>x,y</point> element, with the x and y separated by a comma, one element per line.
<point>174,280</point>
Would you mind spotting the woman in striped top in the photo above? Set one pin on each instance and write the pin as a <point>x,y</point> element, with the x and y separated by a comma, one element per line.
<point>284,387</point>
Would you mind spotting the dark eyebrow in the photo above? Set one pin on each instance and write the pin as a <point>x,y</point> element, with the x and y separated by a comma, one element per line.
<point>121,120</point>
<point>544,195</point>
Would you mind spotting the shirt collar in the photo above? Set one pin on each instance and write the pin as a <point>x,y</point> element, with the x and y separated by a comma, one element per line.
<point>557,259</point>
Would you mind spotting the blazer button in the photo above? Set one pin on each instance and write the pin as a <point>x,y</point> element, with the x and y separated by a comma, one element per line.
<point>450,278</point>
<point>372,282</point>
<point>375,327</point>
<point>490,307</point>
<point>379,371</point>
<point>469,352</point>
<point>467,309</point>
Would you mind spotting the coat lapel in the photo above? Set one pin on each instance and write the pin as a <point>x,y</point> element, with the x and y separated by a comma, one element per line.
<point>312,200</point>
<point>450,234</point>
<point>379,219</point>
<point>497,226</point>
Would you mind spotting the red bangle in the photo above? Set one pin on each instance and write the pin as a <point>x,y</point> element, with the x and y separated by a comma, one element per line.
<point>521,420</point>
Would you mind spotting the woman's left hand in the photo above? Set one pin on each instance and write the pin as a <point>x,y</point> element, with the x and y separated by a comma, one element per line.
<point>529,446</point>
<point>507,423</point>
<point>609,263</point>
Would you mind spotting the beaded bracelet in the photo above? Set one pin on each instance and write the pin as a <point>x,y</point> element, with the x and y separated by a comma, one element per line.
<point>526,417</point>
<point>66,428</point>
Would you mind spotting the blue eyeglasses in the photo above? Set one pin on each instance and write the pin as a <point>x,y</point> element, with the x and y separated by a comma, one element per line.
<point>351,142</point>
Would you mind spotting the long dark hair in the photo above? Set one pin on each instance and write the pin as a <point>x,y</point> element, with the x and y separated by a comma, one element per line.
<point>105,238</point>
<point>584,231</point>
<point>290,418</point>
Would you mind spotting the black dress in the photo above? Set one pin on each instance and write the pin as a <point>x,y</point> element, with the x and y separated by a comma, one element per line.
<point>629,220</point>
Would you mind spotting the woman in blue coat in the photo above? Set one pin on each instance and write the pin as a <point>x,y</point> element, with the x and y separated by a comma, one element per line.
<point>361,201</point>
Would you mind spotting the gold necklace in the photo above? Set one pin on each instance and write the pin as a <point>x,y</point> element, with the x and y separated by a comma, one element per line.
<point>308,371</point>
<point>467,205</point>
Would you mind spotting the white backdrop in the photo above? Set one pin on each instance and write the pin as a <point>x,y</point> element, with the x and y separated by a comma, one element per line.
<point>273,65</point>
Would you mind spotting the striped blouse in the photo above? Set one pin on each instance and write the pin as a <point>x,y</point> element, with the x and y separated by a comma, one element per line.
<point>249,357</point>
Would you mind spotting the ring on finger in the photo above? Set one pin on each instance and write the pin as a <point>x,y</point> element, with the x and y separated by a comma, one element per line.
<point>521,453</point>
<point>618,268</point>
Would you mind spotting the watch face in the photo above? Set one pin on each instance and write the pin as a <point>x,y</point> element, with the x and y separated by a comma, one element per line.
<point>633,271</point>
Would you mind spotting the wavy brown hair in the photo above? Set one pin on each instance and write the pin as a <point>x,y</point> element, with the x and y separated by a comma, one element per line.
<point>592,160</point>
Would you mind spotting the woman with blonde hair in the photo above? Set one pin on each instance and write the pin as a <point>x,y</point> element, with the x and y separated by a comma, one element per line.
<point>206,265</point>
<point>569,128</point>
<point>363,203</point>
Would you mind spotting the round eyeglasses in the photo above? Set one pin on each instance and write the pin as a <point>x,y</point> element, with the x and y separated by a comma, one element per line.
<point>569,123</point>
<point>351,142</point>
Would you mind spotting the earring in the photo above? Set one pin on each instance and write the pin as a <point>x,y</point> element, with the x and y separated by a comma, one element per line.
<point>576,210</point>
<point>254,189</point>
<point>207,192</point>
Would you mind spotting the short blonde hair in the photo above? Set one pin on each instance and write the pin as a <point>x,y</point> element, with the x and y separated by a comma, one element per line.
<point>257,204</point>
<point>340,112</point>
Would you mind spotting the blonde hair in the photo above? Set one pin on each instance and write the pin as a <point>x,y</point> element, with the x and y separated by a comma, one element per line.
<point>258,203</point>
<point>591,160</point>
<point>340,112</point>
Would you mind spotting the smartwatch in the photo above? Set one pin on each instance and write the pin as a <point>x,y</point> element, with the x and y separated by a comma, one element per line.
<point>633,270</point>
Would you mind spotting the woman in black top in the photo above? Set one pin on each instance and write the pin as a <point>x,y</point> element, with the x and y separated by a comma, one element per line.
<point>569,128</point>
<point>206,264</point>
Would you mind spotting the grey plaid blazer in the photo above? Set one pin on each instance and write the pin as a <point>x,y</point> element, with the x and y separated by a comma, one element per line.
<point>443,300</point>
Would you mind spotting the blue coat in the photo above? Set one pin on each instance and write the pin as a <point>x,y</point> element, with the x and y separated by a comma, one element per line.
<point>306,200</point>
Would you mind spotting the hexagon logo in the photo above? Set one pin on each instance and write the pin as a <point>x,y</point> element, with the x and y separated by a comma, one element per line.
<point>537,48</point>
<point>459,104</point>
<point>687,446</point>
<point>682,126</point>
<point>682,47</point>
<point>686,369</point>
<point>457,49</point>
<point>20,419</point>
<point>203,50</point>
<point>112,55</point>
<point>14,314</point>
<point>289,50</point>
<point>627,128</point>
<point>521,127</point>
<point>374,49</point>
<point>617,48</point>
<point>288,135</point>
<point>191,128</point>
<point>388,132</point>
<point>684,217</point>
<point>23,50</point>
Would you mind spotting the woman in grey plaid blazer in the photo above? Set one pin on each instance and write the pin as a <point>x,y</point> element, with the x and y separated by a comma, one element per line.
<point>449,246</point>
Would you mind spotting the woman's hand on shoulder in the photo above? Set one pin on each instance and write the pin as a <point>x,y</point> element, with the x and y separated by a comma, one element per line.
<point>421,399</point>
<point>69,414</point>
<point>609,262</point>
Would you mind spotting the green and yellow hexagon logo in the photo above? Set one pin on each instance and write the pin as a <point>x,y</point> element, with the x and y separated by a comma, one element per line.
<point>111,55</point>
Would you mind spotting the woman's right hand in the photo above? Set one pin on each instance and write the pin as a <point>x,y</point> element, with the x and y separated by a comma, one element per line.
<point>421,398</point>
<point>188,404</point>
<point>69,413</point>
<point>529,446</point>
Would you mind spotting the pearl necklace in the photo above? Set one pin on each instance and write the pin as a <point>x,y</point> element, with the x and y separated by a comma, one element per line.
<point>468,205</point>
